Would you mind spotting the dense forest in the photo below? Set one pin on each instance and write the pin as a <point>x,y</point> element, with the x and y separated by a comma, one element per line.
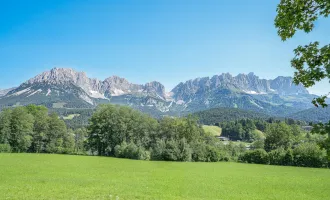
<point>254,129</point>
<point>123,132</point>
<point>278,142</point>
<point>33,129</point>
<point>316,114</point>
<point>216,115</point>
<point>74,118</point>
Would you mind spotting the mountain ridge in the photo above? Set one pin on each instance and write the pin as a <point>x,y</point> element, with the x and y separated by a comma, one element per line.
<point>73,89</point>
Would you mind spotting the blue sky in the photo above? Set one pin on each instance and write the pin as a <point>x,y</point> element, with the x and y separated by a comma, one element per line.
<point>165,40</point>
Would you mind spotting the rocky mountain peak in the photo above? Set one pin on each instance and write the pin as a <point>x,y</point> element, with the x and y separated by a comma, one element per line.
<point>155,87</point>
<point>113,86</point>
<point>244,83</point>
<point>59,76</point>
<point>3,92</point>
<point>284,86</point>
<point>75,89</point>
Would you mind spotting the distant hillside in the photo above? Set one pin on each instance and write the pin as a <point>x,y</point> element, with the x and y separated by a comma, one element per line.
<point>313,115</point>
<point>216,115</point>
<point>74,118</point>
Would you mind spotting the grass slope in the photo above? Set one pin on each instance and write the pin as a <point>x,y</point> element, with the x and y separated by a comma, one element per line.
<point>33,176</point>
<point>214,130</point>
<point>69,117</point>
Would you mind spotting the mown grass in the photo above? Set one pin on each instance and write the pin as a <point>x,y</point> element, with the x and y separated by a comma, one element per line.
<point>42,176</point>
<point>214,130</point>
<point>69,117</point>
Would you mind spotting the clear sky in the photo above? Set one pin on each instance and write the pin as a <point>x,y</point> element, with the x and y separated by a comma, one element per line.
<point>165,40</point>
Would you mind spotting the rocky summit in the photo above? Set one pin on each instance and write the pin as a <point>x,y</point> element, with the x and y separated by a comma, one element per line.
<point>67,88</point>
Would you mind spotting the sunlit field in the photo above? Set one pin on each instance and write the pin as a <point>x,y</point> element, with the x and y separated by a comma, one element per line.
<point>42,176</point>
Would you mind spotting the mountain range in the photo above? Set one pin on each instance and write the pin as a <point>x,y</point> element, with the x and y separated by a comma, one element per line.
<point>67,88</point>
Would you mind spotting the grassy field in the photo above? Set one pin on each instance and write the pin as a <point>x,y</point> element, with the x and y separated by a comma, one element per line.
<point>58,105</point>
<point>42,176</point>
<point>69,117</point>
<point>214,130</point>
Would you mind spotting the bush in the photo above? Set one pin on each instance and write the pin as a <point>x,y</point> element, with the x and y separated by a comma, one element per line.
<point>309,155</point>
<point>276,157</point>
<point>288,158</point>
<point>5,148</point>
<point>232,151</point>
<point>142,154</point>
<point>172,150</point>
<point>177,151</point>
<point>213,154</point>
<point>131,151</point>
<point>257,135</point>
<point>258,156</point>
<point>120,150</point>
<point>199,152</point>
<point>258,144</point>
<point>157,152</point>
<point>185,150</point>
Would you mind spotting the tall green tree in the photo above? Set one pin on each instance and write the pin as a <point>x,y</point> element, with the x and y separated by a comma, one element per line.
<point>311,61</point>
<point>111,125</point>
<point>54,137</point>
<point>21,126</point>
<point>79,139</point>
<point>278,135</point>
<point>5,130</point>
<point>40,126</point>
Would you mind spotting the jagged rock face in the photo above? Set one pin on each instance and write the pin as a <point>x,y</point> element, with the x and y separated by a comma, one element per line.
<point>66,76</point>
<point>112,86</point>
<point>116,86</point>
<point>5,91</point>
<point>285,86</point>
<point>249,84</point>
<point>72,89</point>
<point>155,88</point>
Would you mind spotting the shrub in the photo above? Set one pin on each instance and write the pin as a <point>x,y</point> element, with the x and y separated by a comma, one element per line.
<point>258,156</point>
<point>309,155</point>
<point>213,154</point>
<point>157,152</point>
<point>288,158</point>
<point>131,151</point>
<point>257,135</point>
<point>5,148</point>
<point>177,151</point>
<point>276,157</point>
<point>120,150</point>
<point>232,150</point>
<point>199,152</point>
<point>171,150</point>
<point>184,150</point>
<point>258,144</point>
<point>142,154</point>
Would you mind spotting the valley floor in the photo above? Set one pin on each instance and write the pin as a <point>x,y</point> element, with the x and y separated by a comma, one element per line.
<point>43,176</point>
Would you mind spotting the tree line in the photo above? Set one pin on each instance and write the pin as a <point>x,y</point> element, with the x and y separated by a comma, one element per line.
<point>289,145</point>
<point>33,129</point>
<point>123,132</point>
<point>252,129</point>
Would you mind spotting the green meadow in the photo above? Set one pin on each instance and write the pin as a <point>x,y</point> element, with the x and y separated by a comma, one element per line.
<point>50,176</point>
<point>214,130</point>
